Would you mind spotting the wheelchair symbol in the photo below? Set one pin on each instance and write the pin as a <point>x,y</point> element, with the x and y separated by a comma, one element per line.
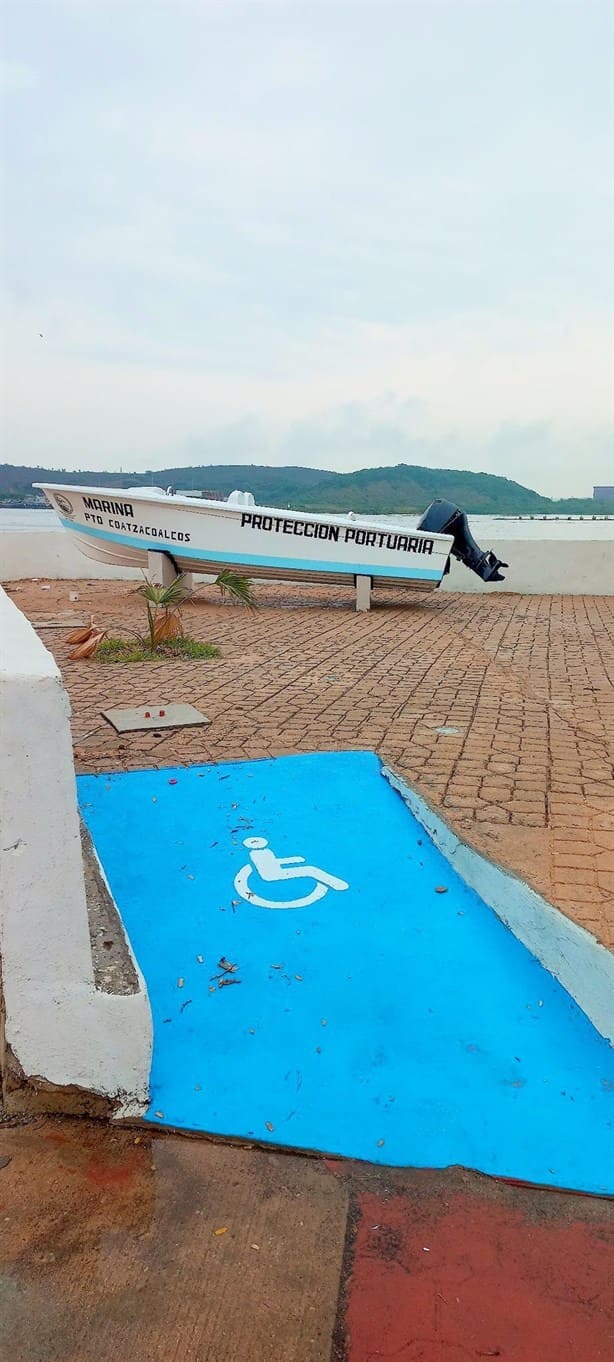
<point>275,868</point>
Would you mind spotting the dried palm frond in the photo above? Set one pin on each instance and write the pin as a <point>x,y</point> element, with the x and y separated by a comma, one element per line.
<point>167,626</point>
<point>88,648</point>
<point>79,635</point>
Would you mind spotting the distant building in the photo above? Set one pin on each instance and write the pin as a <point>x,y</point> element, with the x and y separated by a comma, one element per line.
<point>603,493</point>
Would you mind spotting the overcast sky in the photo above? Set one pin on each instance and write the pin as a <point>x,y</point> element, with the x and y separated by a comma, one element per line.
<point>337,234</point>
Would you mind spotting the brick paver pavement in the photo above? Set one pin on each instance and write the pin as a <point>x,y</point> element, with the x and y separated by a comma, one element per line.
<point>525,682</point>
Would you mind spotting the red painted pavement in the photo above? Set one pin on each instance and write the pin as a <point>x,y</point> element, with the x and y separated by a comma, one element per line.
<point>456,1280</point>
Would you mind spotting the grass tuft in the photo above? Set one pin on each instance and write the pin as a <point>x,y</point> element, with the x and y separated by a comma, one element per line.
<point>133,650</point>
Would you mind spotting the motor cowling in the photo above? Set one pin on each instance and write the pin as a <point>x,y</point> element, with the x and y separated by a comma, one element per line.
<point>443,517</point>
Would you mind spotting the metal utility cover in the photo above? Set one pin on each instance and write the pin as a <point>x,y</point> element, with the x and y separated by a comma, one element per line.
<point>154,716</point>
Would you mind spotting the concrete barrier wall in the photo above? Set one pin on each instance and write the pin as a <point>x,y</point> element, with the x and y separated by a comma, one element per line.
<point>52,554</point>
<point>537,566</point>
<point>548,567</point>
<point>58,1026</point>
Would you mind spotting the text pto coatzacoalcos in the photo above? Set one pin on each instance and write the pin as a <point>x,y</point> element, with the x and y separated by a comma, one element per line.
<point>130,526</point>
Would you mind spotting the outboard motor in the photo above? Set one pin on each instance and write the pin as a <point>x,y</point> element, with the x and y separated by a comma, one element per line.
<point>443,517</point>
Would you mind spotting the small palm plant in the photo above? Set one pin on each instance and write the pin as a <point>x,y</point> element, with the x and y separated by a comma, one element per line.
<point>163,604</point>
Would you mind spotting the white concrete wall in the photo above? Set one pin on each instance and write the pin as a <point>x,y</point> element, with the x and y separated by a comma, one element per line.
<point>52,554</point>
<point>58,1025</point>
<point>537,566</point>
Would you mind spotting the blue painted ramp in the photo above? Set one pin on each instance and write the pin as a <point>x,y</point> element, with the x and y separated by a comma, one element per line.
<point>377,1017</point>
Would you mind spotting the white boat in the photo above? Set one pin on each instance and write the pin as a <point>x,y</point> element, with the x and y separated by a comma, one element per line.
<point>119,526</point>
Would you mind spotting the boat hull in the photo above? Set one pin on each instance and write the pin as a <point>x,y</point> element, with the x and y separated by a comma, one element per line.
<point>122,527</point>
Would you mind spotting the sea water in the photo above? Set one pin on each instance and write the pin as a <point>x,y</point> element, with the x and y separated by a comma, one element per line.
<point>486,527</point>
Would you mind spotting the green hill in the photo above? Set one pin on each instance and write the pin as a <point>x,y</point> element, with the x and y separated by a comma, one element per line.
<point>405,488</point>
<point>410,488</point>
